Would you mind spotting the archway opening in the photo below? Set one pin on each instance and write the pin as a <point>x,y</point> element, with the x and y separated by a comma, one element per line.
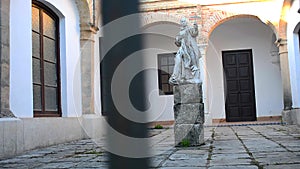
<point>227,98</point>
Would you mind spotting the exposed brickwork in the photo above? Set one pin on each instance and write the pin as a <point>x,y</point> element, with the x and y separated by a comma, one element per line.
<point>158,17</point>
<point>207,22</point>
<point>171,15</point>
<point>282,23</point>
<point>210,17</point>
<point>147,6</point>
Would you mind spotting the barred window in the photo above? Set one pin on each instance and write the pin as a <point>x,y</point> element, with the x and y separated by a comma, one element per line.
<point>165,69</point>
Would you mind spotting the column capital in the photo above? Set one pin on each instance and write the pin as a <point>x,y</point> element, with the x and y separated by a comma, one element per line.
<point>87,32</point>
<point>281,42</point>
<point>89,27</point>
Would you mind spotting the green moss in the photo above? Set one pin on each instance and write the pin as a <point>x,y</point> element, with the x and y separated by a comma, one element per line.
<point>158,126</point>
<point>185,143</point>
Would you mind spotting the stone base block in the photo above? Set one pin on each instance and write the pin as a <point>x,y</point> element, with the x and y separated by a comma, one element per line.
<point>189,134</point>
<point>5,113</point>
<point>291,117</point>
<point>189,113</point>
<point>188,93</point>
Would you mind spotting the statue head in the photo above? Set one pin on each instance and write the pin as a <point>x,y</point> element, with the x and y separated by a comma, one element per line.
<point>183,22</point>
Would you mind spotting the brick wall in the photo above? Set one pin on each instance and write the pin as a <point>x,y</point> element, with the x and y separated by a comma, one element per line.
<point>210,16</point>
<point>207,21</point>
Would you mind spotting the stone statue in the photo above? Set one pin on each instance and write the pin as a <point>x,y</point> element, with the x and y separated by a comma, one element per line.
<point>186,69</point>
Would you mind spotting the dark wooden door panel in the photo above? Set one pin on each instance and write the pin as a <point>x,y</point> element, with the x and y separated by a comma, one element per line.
<point>233,98</point>
<point>231,72</point>
<point>239,85</point>
<point>232,85</point>
<point>245,85</point>
<point>245,98</point>
<point>244,72</point>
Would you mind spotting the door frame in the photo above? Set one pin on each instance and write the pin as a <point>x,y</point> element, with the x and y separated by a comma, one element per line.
<point>252,80</point>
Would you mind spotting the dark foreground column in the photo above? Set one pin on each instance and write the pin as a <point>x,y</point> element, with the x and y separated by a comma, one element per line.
<point>112,10</point>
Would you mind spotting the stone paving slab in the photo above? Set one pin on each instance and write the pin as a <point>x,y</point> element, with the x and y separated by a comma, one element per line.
<point>234,167</point>
<point>283,166</point>
<point>230,159</point>
<point>191,162</point>
<point>229,147</point>
<point>183,167</point>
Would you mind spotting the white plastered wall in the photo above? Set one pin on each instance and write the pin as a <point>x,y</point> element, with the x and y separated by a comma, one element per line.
<point>245,33</point>
<point>293,26</point>
<point>21,93</point>
<point>159,39</point>
<point>97,61</point>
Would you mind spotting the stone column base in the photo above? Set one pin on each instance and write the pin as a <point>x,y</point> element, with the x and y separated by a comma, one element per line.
<point>6,114</point>
<point>291,117</point>
<point>189,115</point>
<point>189,134</point>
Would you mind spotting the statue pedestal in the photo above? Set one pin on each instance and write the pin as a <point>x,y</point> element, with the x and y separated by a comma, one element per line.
<point>189,115</point>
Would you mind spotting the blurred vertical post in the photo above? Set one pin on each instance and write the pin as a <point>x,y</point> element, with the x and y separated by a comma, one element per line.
<point>112,10</point>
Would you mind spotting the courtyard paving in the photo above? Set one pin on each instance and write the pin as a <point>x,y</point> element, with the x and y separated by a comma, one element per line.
<point>226,147</point>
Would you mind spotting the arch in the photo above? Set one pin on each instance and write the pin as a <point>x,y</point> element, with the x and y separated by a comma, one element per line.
<point>52,7</point>
<point>297,28</point>
<point>261,43</point>
<point>159,22</point>
<point>221,21</point>
<point>283,22</point>
<point>85,16</point>
<point>150,19</point>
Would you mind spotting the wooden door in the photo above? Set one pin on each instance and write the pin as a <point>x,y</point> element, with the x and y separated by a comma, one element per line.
<point>239,86</point>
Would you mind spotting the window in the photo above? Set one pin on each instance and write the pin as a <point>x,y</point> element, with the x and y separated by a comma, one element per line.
<point>165,70</point>
<point>45,62</point>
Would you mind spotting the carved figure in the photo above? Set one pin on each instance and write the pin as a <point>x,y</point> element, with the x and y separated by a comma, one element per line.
<point>186,69</point>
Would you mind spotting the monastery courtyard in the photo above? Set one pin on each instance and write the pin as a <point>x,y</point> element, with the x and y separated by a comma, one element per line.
<point>252,146</point>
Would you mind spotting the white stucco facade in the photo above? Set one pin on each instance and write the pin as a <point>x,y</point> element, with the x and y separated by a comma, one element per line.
<point>243,28</point>
<point>293,27</point>
<point>238,34</point>
<point>97,61</point>
<point>234,34</point>
<point>159,40</point>
<point>21,92</point>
